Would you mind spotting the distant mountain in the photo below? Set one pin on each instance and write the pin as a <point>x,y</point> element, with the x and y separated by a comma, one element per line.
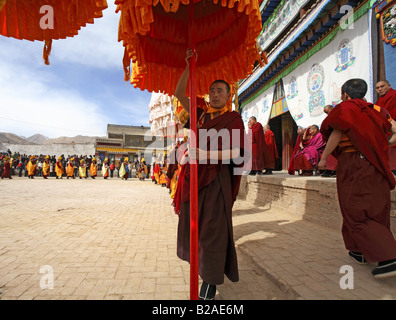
<point>38,139</point>
<point>76,139</point>
<point>11,138</point>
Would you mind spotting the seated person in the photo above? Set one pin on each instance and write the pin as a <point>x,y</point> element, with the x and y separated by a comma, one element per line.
<point>310,151</point>
<point>297,147</point>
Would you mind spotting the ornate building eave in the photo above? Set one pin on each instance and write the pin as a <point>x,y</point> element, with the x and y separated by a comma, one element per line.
<point>314,26</point>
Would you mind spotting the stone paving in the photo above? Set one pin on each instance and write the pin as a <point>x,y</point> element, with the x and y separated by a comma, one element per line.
<point>99,239</point>
<point>113,239</point>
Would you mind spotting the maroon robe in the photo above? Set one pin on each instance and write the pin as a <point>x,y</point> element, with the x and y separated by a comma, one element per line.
<point>388,101</point>
<point>272,150</point>
<point>296,149</point>
<point>260,152</point>
<point>218,188</point>
<point>364,179</point>
<point>307,158</point>
<point>7,170</point>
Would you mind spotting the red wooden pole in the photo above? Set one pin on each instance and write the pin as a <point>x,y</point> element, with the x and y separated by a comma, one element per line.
<point>193,165</point>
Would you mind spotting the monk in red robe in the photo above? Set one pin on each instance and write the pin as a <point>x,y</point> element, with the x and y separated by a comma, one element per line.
<point>7,168</point>
<point>358,136</point>
<point>387,100</point>
<point>218,186</point>
<point>307,158</point>
<point>260,152</point>
<point>297,147</point>
<point>272,150</point>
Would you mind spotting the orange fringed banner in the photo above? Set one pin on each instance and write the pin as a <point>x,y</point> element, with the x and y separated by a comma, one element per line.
<point>155,37</point>
<point>45,20</point>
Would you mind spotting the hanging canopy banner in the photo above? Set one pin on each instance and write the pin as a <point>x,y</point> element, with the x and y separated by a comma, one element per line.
<point>43,20</point>
<point>155,36</point>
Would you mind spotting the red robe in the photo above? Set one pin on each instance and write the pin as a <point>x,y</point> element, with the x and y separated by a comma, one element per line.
<point>260,153</point>
<point>218,188</point>
<point>7,170</point>
<point>296,149</point>
<point>272,150</point>
<point>388,101</point>
<point>364,179</point>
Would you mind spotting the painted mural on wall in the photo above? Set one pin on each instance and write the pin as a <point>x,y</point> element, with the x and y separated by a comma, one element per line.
<point>317,82</point>
<point>344,56</point>
<point>260,108</point>
<point>388,23</point>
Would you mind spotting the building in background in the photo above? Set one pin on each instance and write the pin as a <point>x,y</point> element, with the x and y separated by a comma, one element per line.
<point>312,48</point>
<point>134,142</point>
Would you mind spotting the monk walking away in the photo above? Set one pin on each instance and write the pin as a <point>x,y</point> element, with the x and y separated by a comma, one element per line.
<point>218,186</point>
<point>359,137</point>
<point>272,150</point>
<point>260,153</point>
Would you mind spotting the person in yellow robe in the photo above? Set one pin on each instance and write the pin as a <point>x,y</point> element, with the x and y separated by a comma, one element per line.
<point>59,169</point>
<point>124,170</point>
<point>46,167</point>
<point>173,182</point>
<point>143,171</point>
<point>82,170</point>
<point>31,167</point>
<point>70,169</point>
<point>93,169</point>
<point>163,180</point>
<point>105,168</point>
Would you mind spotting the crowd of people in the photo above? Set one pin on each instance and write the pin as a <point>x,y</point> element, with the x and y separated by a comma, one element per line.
<point>70,167</point>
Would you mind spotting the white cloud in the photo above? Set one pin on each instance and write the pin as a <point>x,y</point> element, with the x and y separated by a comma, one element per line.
<point>96,45</point>
<point>35,98</point>
<point>29,104</point>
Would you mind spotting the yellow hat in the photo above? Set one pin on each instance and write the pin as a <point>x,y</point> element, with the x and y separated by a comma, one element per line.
<point>59,158</point>
<point>126,159</point>
<point>47,157</point>
<point>93,159</point>
<point>82,160</point>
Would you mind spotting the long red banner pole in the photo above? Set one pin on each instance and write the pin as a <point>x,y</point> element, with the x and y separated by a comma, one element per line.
<point>193,165</point>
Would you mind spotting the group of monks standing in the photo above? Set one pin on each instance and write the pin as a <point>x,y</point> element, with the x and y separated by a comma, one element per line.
<point>59,168</point>
<point>310,145</point>
<point>264,151</point>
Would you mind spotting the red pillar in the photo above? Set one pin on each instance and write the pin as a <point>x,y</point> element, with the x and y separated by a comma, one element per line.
<point>193,165</point>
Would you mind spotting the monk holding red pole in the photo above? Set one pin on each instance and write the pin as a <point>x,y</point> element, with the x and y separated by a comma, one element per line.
<point>218,185</point>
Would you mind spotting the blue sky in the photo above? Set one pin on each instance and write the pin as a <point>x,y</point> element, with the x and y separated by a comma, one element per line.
<point>79,93</point>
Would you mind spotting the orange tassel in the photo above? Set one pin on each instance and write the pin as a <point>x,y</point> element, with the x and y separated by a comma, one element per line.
<point>47,51</point>
<point>127,66</point>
